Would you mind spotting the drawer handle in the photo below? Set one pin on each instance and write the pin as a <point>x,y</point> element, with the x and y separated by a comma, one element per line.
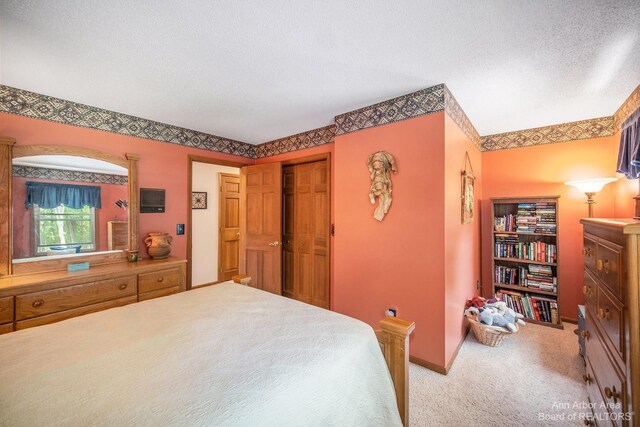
<point>160,279</point>
<point>612,394</point>
<point>585,335</point>
<point>586,290</point>
<point>122,287</point>
<point>604,314</point>
<point>587,378</point>
<point>603,265</point>
<point>37,303</point>
<point>586,252</point>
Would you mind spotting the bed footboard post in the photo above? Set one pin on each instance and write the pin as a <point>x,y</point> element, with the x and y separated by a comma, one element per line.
<point>394,342</point>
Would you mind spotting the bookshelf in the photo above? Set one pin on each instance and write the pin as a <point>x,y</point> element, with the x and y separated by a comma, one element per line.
<point>525,256</point>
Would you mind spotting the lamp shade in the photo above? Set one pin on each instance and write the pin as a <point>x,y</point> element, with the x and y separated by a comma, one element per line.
<point>591,185</point>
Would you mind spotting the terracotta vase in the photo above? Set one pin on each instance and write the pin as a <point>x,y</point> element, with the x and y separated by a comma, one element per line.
<point>158,245</point>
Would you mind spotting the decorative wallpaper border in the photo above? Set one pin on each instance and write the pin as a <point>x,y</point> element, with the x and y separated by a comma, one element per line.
<point>584,129</point>
<point>631,104</point>
<point>43,107</point>
<point>458,115</point>
<point>299,141</point>
<point>426,101</point>
<point>415,104</point>
<point>66,175</point>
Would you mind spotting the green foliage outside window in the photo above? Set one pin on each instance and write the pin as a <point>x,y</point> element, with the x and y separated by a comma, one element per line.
<point>63,226</point>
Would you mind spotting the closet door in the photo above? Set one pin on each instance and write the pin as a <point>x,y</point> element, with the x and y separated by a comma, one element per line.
<point>319,234</point>
<point>261,225</point>
<point>306,233</point>
<point>288,238</point>
<point>304,223</point>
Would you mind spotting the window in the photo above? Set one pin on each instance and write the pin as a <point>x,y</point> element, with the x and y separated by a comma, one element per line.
<point>63,228</point>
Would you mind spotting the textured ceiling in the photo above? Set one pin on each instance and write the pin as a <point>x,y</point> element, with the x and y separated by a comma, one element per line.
<point>256,71</point>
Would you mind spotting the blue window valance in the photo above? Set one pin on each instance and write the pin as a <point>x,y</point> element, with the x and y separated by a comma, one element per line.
<point>629,152</point>
<point>48,196</point>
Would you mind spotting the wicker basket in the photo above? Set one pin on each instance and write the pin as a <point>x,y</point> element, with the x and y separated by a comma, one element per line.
<point>488,335</point>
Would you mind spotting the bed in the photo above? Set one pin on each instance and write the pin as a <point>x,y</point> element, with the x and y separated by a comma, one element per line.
<point>221,355</point>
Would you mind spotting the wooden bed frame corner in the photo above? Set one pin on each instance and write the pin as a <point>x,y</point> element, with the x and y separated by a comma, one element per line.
<point>393,337</point>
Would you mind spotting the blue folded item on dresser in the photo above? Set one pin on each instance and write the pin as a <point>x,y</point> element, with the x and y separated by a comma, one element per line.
<point>65,248</point>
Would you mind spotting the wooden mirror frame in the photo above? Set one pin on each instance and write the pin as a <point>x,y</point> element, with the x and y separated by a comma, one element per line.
<point>7,153</point>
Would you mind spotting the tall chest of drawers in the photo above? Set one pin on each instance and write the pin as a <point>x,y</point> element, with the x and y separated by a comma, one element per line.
<point>611,290</point>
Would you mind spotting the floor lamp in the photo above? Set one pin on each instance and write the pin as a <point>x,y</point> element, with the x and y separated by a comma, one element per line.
<point>590,187</point>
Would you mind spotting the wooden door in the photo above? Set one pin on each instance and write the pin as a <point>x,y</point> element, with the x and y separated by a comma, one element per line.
<point>228,226</point>
<point>318,232</point>
<point>288,238</point>
<point>306,233</point>
<point>261,226</point>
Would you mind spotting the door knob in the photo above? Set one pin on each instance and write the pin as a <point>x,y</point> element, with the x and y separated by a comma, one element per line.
<point>276,243</point>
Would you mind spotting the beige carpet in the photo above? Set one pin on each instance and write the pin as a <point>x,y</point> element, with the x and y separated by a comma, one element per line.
<point>534,378</point>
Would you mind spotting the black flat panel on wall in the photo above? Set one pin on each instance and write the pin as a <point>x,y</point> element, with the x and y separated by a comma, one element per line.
<point>151,200</point>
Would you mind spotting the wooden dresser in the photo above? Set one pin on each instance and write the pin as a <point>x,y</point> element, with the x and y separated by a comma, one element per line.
<point>612,327</point>
<point>117,235</point>
<point>41,298</point>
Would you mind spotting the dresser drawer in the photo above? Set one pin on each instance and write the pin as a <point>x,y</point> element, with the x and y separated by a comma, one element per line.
<point>47,302</point>
<point>589,252</point>
<point>74,312</point>
<point>6,310</point>
<point>610,318</point>
<point>162,279</point>
<point>611,383</point>
<point>609,266</point>
<point>598,411</point>
<point>159,293</point>
<point>590,291</point>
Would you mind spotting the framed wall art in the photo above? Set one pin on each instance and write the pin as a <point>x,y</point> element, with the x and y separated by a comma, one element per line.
<point>198,200</point>
<point>468,190</point>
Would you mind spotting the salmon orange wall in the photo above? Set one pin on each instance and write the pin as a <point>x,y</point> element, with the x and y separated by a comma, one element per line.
<point>162,165</point>
<point>109,193</point>
<point>461,241</point>
<point>541,171</point>
<point>397,262</point>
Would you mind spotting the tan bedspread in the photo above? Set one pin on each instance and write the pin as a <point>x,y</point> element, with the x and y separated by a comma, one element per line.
<point>221,355</point>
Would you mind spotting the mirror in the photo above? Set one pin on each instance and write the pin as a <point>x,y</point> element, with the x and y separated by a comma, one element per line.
<point>67,205</point>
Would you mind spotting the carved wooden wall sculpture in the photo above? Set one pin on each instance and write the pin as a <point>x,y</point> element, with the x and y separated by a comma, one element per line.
<point>381,164</point>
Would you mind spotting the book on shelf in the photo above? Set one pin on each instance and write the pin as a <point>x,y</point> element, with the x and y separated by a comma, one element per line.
<point>504,223</point>
<point>546,215</point>
<point>508,246</point>
<point>534,277</point>
<point>530,218</point>
<point>536,308</point>
<point>541,277</point>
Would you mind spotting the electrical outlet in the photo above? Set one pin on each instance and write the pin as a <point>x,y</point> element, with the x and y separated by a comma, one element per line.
<point>478,286</point>
<point>179,229</point>
<point>391,312</point>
